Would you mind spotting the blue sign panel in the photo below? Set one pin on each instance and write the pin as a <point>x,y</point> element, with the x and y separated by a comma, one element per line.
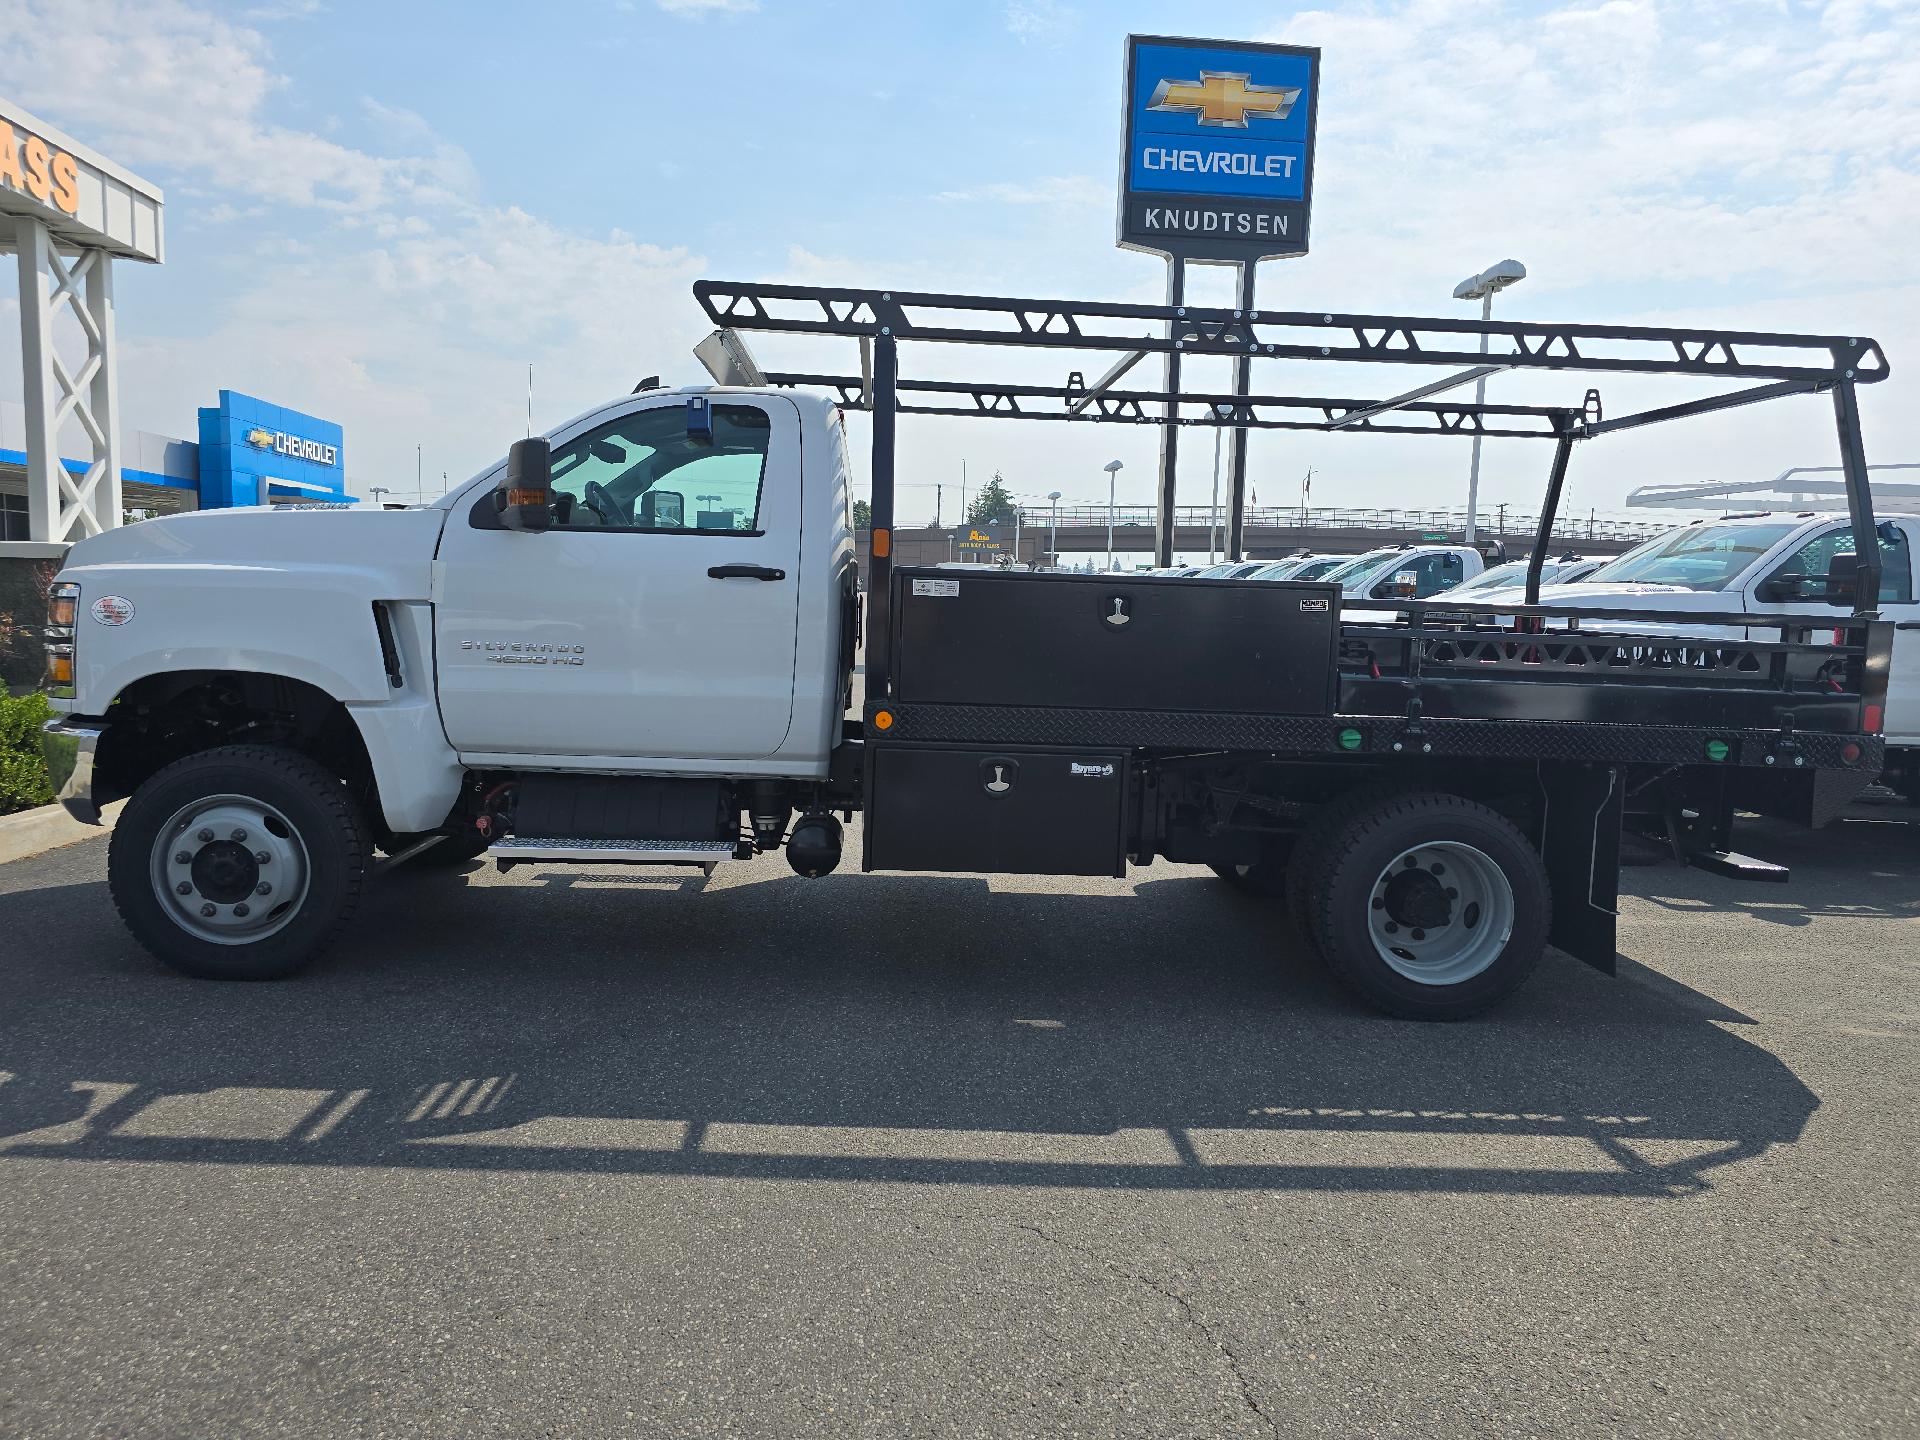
<point>254,453</point>
<point>1219,148</point>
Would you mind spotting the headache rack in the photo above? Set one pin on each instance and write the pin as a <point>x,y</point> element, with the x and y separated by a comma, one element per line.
<point>880,320</point>
<point>1434,674</point>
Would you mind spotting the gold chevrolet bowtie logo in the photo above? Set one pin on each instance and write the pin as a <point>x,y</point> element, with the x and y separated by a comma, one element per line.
<point>1225,99</point>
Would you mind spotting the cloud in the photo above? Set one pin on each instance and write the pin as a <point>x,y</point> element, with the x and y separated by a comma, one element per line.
<point>400,305</point>
<point>1054,190</point>
<point>1044,21</point>
<point>700,9</point>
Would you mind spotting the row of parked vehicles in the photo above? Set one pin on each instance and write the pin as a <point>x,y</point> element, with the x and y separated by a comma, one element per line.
<point>1764,563</point>
<point>1397,571</point>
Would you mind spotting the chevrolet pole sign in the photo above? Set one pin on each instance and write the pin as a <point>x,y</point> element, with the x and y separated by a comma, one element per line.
<point>1218,163</point>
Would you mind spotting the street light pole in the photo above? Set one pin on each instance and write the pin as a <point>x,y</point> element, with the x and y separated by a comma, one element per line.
<point>1053,532</point>
<point>1213,515</point>
<point>1113,468</point>
<point>1483,287</point>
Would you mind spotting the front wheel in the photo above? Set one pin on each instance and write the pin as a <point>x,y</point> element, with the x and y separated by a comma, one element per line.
<point>1430,906</point>
<point>241,863</point>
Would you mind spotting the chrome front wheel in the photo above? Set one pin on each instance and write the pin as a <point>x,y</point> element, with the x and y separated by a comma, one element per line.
<point>241,863</point>
<point>229,869</point>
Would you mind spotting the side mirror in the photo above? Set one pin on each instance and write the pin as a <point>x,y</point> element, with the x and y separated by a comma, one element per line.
<point>1400,587</point>
<point>523,496</point>
<point>1843,580</point>
<point>1780,589</point>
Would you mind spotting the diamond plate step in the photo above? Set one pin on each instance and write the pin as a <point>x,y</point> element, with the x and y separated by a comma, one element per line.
<point>611,852</point>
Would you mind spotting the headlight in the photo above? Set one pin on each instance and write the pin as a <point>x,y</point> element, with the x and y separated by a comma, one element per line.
<point>63,604</point>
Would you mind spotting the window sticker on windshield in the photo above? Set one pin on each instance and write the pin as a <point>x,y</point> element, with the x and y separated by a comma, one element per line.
<point>936,587</point>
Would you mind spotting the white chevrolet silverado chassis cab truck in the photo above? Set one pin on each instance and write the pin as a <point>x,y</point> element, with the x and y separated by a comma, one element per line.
<point>634,641</point>
<point>281,692</point>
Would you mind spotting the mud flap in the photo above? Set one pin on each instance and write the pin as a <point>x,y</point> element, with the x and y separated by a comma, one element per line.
<point>1579,840</point>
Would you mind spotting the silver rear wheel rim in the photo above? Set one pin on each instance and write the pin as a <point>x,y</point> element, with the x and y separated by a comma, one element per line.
<point>229,869</point>
<point>1440,913</point>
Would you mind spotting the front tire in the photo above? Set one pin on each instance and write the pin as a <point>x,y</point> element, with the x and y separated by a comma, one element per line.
<point>1430,906</point>
<point>242,863</point>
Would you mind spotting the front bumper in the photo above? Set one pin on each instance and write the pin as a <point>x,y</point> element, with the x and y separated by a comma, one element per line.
<point>68,744</point>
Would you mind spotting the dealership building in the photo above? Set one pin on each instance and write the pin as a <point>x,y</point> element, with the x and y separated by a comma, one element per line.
<point>246,451</point>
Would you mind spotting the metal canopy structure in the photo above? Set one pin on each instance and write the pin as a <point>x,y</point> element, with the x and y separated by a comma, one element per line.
<point>1787,364</point>
<point>68,213</point>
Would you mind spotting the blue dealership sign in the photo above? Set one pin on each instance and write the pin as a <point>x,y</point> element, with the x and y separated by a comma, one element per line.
<point>253,452</point>
<point>1218,163</point>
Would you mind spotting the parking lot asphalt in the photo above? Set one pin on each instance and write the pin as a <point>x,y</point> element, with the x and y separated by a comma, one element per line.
<point>573,1152</point>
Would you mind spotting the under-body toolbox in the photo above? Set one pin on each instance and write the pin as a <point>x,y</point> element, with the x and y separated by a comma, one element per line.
<point>997,811</point>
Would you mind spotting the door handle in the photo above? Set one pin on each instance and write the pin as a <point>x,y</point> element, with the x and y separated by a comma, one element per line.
<point>745,572</point>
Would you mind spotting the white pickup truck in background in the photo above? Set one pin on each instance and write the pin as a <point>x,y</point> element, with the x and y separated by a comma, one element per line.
<point>1768,564</point>
<point>1406,572</point>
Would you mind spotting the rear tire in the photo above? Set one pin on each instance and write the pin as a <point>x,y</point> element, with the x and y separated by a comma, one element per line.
<point>185,870</point>
<point>1430,906</point>
<point>1310,852</point>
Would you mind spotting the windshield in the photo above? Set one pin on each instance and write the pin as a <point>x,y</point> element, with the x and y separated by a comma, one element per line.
<point>1511,573</point>
<point>1359,563</point>
<point>1316,569</point>
<point>1700,557</point>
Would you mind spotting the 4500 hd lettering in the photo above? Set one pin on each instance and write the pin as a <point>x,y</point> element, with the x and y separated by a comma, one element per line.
<point>634,641</point>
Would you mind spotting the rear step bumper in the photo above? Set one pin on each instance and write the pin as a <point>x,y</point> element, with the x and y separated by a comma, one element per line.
<point>572,850</point>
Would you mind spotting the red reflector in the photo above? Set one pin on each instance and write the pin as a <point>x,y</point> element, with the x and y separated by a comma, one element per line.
<point>1850,752</point>
<point>1839,637</point>
<point>1871,719</point>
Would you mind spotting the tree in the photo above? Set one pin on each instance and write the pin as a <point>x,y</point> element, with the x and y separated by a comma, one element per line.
<point>993,505</point>
<point>862,515</point>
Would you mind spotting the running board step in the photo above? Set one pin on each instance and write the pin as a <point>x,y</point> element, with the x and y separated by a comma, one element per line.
<point>573,850</point>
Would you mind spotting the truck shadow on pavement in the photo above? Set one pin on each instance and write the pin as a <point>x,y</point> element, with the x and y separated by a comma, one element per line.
<point>862,1028</point>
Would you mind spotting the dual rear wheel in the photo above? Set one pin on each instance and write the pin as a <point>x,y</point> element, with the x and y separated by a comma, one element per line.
<point>1428,905</point>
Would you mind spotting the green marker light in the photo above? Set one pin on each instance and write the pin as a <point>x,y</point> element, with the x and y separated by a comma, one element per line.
<point>1350,739</point>
<point>1717,750</point>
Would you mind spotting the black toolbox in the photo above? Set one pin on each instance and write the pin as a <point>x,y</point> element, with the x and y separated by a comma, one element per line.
<point>1114,642</point>
<point>1014,811</point>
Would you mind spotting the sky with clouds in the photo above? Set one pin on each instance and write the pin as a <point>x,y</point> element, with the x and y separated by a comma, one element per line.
<point>384,213</point>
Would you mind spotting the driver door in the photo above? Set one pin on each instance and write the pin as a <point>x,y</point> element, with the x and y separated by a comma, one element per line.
<point>655,623</point>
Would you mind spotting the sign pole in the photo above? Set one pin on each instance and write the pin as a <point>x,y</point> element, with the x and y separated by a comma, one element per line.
<point>1242,386</point>
<point>1170,432</point>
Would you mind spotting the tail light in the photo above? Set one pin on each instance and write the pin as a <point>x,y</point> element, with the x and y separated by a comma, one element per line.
<point>1872,717</point>
<point>63,604</point>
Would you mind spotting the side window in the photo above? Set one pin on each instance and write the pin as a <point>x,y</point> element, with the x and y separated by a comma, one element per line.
<point>1808,565</point>
<point>1440,572</point>
<point>1431,574</point>
<point>644,472</point>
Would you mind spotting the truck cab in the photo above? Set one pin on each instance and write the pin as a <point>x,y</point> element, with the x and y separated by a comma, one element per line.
<point>687,610</point>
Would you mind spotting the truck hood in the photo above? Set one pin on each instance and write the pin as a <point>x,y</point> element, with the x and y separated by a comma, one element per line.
<point>386,553</point>
<point>1670,599</point>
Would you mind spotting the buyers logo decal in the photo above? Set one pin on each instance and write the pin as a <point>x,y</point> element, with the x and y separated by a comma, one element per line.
<point>1224,100</point>
<point>113,610</point>
<point>1093,770</point>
